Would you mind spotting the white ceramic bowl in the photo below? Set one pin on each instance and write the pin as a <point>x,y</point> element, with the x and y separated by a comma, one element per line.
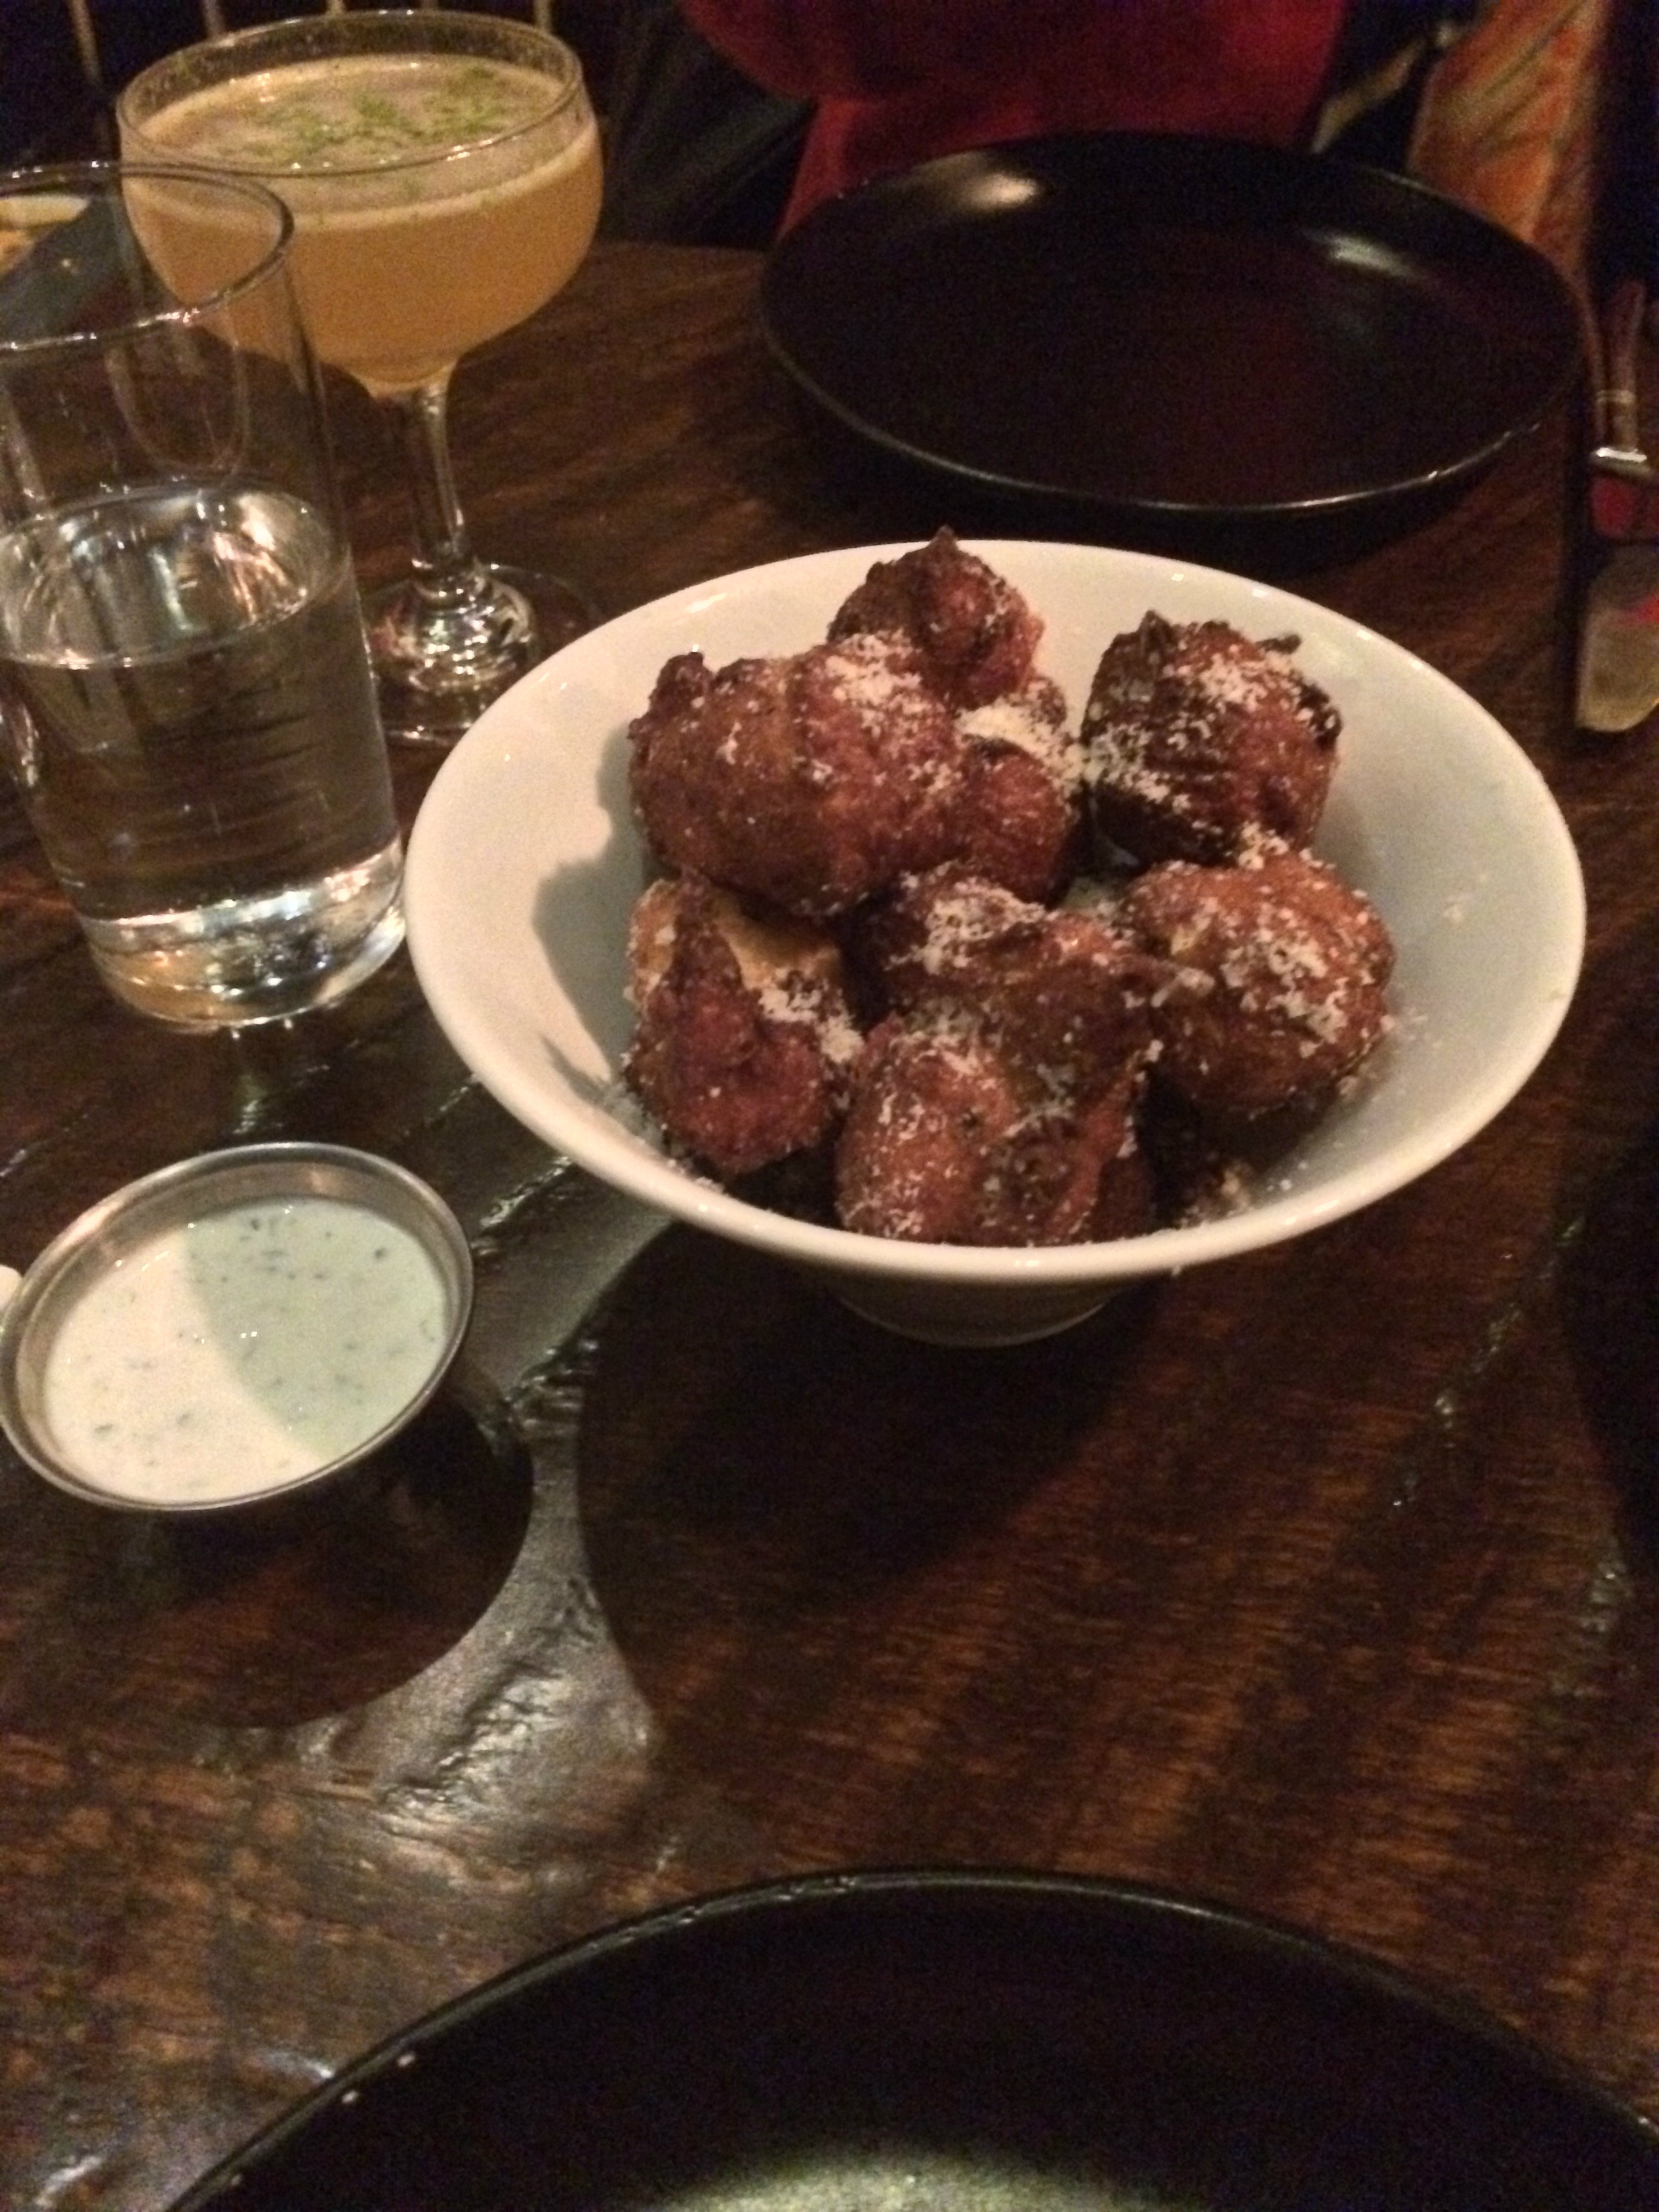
<point>525,863</point>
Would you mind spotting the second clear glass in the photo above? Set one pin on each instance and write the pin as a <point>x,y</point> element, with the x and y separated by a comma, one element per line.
<point>185,699</point>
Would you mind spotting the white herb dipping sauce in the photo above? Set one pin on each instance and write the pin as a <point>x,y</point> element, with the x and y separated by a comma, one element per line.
<point>242,1350</point>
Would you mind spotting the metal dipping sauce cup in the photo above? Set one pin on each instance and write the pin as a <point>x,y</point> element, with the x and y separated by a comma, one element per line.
<point>185,699</point>
<point>225,1185</point>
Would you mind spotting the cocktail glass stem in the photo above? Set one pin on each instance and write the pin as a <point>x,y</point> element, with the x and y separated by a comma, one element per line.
<point>446,639</point>
<point>444,559</point>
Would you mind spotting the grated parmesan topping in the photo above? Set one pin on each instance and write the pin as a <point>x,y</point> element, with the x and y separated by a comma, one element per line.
<point>1016,723</point>
<point>860,671</point>
<point>959,922</point>
<point>799,1001</point>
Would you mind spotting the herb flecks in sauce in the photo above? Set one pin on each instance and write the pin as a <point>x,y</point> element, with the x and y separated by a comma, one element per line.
<point>243,1350</point>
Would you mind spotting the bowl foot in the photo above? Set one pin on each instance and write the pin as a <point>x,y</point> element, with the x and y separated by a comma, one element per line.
<point>969,1315</point>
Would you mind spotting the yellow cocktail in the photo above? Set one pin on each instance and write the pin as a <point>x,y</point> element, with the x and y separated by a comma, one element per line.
<point>443,173</point>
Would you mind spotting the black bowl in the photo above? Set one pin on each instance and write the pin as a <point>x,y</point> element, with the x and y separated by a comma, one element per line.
<point>915,2039</point>
<point>1184,344</point>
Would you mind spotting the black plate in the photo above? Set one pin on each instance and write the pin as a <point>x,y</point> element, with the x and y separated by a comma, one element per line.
<point>1185,342</point>
<point>947,2039</point>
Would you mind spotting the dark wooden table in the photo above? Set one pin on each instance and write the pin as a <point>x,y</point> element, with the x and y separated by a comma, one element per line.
<point>1325,1582</point>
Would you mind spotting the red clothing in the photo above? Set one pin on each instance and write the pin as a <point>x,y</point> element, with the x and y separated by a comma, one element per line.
<point>897,81</point>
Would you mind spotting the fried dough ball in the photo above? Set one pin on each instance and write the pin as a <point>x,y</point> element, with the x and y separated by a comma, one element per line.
<point>975,634</point>
<point>1199,740</point>
<point>996,1103</point>
<point>811,781</point>
<point>1277,991</point>
<point>744,1044</point>
<point>1020,818</point>
<point>886,833</point>
<point>1060,992</point>
<point>947,1141</point>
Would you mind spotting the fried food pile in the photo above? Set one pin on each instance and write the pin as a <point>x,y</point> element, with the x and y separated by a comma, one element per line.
<point>1004,983</point>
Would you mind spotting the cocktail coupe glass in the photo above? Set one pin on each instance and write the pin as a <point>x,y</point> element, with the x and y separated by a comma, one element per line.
<point>443,173</point>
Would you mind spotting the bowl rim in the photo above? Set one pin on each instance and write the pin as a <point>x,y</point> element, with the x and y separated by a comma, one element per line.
<point>589,1136</point>
<point>839,1909</point>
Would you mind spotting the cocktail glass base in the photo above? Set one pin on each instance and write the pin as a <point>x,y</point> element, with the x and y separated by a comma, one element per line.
<point>439,660</point>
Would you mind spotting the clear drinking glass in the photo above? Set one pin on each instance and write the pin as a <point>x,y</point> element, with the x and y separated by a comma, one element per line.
<point>185,698</point>
<point>443,173</point>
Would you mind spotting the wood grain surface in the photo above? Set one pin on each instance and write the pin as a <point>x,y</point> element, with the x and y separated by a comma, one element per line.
<point>1324,1582</point>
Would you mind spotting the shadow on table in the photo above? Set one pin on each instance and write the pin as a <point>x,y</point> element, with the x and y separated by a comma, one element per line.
<point>762,1474</point>
<point>277,1616</point>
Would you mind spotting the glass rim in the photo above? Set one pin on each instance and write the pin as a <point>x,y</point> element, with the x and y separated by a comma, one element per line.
<point>342,28</point>
<point>82,179</point>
